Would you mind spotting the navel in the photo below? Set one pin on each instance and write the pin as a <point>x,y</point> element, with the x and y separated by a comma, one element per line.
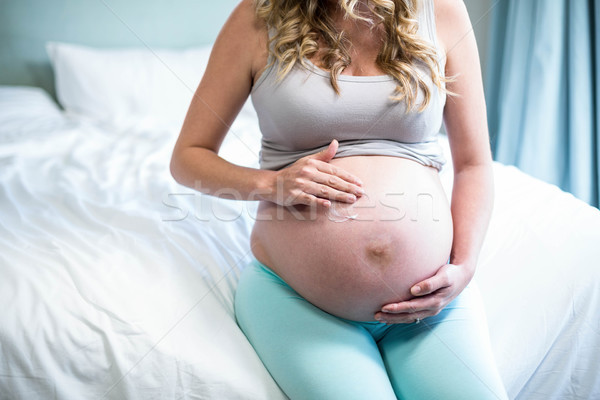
<point>379,252</point>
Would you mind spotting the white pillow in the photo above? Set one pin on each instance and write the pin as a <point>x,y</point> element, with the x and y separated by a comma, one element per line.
<point>127,86</point>
<point>135,89</point>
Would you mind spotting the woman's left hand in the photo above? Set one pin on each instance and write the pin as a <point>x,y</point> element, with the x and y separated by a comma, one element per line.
<point>431,296</point>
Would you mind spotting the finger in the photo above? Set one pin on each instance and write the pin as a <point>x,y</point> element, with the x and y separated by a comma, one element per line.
<point>309,200</point>
<point>403,318</point>
<point>438,281</point>
<point>338,172</point>
<point>414,305</point>
<point>337,183</point>
<point>326,154</point>
<point>327,192</point>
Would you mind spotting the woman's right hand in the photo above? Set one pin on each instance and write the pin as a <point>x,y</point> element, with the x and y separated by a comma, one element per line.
<point>313,181</point>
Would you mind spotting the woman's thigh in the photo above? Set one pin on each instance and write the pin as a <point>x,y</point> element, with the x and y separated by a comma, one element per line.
<point>311,354</point>
<point>444,357</point>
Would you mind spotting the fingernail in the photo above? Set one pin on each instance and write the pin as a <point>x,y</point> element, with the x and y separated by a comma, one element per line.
<point>327,203</point>
<point>352,197</point>
<point>416,290</point>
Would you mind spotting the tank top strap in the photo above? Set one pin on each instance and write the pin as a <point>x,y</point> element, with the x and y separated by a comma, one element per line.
<point>426,17</point>
<point>427,27</point>
<point>270,66</point>
<point>271,32</point>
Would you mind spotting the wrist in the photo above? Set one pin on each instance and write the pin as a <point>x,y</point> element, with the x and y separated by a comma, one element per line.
<point>266,185</point>
<point>469,266</point>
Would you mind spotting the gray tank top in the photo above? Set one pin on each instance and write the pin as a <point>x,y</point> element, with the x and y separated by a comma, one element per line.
<point>302,114</point>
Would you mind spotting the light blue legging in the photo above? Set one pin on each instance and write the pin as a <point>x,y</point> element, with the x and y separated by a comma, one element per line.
<point>315,355</point>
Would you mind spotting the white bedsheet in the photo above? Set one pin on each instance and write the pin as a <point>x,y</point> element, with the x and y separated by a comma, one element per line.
<point>118,283</point>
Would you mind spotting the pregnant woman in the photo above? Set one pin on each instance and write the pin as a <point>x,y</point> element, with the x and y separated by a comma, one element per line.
<point>359,287</point>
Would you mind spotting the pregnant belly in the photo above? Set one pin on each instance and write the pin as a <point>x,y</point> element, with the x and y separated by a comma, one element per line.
<point>352,259</point>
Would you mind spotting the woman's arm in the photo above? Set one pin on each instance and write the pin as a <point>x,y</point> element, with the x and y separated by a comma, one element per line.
<point>239,53</point>
<point>218,99</point>
<point>472,195</point>
<point>465,118</point>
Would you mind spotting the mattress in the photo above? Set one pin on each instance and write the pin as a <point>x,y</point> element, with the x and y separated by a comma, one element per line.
<point>118,283</point>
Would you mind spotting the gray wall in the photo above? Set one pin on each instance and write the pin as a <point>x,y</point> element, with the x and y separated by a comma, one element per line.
<point>480,12</point>
<point>25,25</point>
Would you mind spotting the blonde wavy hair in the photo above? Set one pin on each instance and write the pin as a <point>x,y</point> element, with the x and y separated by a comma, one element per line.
<point>299,24</point>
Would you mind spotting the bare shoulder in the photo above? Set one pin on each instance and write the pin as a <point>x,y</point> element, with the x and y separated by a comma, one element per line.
<point>226,82</point>
<point>244,36</point>
<point>452,21</point>
<point>243,26</point>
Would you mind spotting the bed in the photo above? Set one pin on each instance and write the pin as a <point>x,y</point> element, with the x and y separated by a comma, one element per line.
<point>117,283</point>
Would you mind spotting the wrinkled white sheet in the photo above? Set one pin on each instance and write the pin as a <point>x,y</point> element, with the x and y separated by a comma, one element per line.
<point>118,283</point>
